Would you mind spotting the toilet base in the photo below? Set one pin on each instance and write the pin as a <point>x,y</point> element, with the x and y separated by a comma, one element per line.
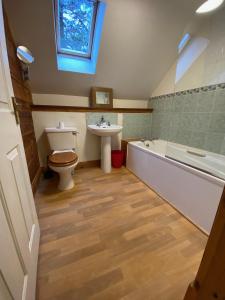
<point>65,181</point>
<point>65,176</point>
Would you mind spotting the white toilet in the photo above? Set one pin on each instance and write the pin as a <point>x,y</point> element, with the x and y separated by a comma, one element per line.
<point>63,159</point>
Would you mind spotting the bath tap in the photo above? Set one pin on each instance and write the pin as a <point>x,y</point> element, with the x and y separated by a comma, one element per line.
<point>149,140</point>
<point>145,142</point>
<point>153,139</point>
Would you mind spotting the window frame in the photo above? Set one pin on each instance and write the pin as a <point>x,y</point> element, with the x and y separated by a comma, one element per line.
<point>74,53</point>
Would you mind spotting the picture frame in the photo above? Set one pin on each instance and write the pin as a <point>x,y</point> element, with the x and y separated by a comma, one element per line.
<point>101,97</point>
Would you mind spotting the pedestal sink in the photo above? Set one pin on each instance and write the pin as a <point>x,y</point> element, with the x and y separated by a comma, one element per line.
<point>105,132</point>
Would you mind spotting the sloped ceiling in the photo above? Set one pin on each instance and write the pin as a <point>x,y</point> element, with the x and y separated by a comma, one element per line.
<point>138,45</point>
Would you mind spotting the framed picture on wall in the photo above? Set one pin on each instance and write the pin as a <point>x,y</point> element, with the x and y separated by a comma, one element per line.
<point>101,97</point>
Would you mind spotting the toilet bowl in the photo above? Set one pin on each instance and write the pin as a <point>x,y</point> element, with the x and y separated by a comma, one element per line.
<point>63,163</point>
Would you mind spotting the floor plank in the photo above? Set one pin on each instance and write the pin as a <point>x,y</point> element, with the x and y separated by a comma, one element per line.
<point>111,237</point>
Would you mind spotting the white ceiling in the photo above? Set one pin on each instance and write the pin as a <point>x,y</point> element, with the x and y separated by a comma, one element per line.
<point>138,46</point>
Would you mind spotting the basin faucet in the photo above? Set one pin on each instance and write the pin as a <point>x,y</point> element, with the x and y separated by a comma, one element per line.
<point>102,122</point>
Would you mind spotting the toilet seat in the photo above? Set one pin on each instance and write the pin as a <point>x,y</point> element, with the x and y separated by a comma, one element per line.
<point>62,159</point>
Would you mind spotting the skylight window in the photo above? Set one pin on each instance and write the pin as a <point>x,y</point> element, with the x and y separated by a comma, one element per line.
<point>76,22</point>
<point>184,41</point>
<point>78,26</point>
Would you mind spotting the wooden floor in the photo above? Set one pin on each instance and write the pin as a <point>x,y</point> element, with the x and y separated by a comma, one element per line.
<point>111,237</point>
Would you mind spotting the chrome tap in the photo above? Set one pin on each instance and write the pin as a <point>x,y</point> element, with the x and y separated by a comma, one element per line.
<point>153,139</point>
<point>143,140</point>
<point>102,122</point>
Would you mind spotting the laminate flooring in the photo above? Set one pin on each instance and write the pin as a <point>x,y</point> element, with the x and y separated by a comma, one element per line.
<point>111,237</point>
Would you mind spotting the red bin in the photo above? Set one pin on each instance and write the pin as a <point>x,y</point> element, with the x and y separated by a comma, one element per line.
<point>117,158</point>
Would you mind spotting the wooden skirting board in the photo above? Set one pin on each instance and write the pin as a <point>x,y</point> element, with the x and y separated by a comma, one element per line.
<point>60,108</point>
<point>88,164</point>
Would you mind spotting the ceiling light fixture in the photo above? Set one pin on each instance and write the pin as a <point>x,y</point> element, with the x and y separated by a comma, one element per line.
<point>208,6</point>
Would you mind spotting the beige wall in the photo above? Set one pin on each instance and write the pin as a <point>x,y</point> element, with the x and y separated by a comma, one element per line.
<point>67,100</point>
<point>132,45</point>
<point>202,62</point>
<point>51,99</point>
<point>88,144</point>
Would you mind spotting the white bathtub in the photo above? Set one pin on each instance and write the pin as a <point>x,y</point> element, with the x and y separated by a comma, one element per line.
<point>194,193</point>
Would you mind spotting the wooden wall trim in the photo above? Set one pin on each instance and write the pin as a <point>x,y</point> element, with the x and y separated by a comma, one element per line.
<point>88,109</point>
<point>36,180</point>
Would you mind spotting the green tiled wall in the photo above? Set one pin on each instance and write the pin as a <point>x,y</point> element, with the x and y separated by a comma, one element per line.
<point>136,125</point>
<point>195,118</point>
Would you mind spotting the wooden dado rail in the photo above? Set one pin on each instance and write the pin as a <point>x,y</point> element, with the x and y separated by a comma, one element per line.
<point>60,108</point>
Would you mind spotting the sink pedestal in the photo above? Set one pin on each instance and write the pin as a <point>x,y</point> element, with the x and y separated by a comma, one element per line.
<point>106,154</point>
<point>105,132</point>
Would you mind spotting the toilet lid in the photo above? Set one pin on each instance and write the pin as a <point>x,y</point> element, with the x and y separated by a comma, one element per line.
<point>63,158</point>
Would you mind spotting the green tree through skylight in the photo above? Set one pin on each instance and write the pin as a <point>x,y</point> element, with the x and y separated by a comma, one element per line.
<point>76,26</point>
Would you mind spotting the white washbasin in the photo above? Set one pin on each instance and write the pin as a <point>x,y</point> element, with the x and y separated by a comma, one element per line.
<point>105,130</point>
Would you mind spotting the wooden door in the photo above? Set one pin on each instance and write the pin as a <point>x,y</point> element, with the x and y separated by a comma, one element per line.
<point>209,283</point>
<point>19,229</point>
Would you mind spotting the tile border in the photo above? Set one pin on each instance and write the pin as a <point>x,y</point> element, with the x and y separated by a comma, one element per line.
<point>212,87</point>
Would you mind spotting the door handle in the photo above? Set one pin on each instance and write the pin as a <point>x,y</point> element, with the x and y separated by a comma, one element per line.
<point>16,110</point>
